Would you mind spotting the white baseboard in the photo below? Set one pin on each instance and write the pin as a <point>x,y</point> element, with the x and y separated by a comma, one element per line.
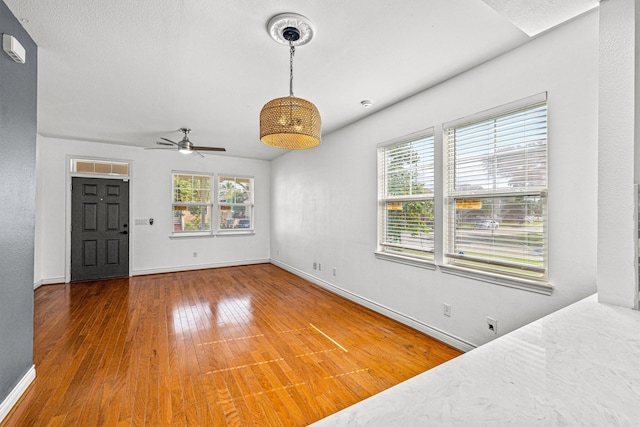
<point>436,333</point>
<point>144,271</point>
<point>15,394</point>
<point>49,281</point>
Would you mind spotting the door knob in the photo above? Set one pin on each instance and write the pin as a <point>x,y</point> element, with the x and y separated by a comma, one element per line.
<point>124,232</point>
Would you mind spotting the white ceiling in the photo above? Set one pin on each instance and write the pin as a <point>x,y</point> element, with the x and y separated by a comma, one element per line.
<point>130,72</point>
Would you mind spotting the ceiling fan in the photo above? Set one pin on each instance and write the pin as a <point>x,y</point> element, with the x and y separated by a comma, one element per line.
<point>184,146</point>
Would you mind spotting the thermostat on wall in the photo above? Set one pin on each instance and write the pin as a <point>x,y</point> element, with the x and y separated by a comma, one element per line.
<point>14,49</point>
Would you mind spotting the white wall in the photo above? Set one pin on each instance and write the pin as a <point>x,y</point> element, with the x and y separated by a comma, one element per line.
<point>324,200</point>
<point>151,248</point>
<point>617,242</point>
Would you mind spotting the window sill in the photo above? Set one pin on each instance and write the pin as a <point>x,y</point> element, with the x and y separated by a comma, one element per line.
<point>496,279</point>
<point>235,233</point>
<point>190,235</point>
<point>210,234</point>
<point>422,263</point>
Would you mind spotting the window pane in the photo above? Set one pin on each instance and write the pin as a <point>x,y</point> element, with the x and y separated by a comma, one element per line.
<point>508,232</point>
<point>235,217</point>
<point>409,227</point>
<point>120,169</point>
<point>409,168</point>
<point>191,218</point>
<point>104,168</point>
<point>234,190</point>
<point>85,167</point>
<point>191,188</point>
<point>502,153</point>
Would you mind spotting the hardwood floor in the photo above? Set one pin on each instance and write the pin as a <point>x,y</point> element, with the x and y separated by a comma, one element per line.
<point>238,346</point>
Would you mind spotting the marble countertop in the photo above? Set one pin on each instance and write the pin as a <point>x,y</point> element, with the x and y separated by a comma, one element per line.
<point>577,366</point>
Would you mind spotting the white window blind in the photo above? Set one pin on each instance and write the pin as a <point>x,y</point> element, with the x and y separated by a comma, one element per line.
<point>496,185</point>
<point>406,182</point>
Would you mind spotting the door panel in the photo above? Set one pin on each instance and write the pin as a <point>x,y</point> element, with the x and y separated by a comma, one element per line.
<point>99,228</point>
<point>113,217</point>
<point>89,217</point>
<point>89,253</point>
<point>113,251</point>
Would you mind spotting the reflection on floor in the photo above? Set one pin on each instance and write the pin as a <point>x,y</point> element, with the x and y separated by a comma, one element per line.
<point>243,346</point>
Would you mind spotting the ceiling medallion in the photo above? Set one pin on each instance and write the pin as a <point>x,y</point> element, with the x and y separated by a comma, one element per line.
<point>279,23</point>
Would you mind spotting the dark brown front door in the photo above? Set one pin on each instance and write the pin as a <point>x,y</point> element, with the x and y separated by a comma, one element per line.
<point>99,228</point>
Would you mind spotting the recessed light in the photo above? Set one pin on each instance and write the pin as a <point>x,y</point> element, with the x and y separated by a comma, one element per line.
<point>367,103</point>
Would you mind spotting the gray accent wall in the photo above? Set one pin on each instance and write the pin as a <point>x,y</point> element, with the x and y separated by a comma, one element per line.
<point>18,92</point>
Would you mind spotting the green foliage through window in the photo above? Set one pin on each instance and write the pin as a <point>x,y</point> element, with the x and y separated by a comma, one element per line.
<point>191,202</point>
<point>406,196</point>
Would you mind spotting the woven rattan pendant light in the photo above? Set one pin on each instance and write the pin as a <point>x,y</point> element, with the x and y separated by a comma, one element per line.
<point>291,123</point>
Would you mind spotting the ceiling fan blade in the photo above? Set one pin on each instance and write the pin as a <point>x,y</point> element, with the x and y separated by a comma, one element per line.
<point>168,140</point>
<point>159,148</point>
<point>197,152</point>
<point>209,148</point>
<point>165,143</point>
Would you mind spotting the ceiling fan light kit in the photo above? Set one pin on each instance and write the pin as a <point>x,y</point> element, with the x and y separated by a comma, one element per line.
<point>291,123</point>
<point>185,146</point>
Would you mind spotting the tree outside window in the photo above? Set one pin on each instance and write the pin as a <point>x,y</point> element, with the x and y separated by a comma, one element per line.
<point>191,202</point>
<point>235,203</point>
<point>406,197</point>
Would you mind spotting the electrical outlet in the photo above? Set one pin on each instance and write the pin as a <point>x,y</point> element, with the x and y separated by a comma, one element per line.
<point>335,271</point>
<point>446,310</point>
<point>319,267</point>
<point>195,254</point>
<point>315,265</point>
<point>492,324</point>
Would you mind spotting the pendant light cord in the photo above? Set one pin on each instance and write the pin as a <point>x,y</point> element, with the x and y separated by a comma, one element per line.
<point>292,51</point>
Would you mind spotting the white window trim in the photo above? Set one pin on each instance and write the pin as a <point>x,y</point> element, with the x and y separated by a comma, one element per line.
<point>537,286</point>
<point>496,111</point>
<point>415,262</point>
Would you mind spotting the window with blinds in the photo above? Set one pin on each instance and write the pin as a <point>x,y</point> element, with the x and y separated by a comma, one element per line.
<point>496,188</point>
<point>405,204</point>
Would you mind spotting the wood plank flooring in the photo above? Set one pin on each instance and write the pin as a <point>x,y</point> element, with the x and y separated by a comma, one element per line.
<point>238,346</point>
